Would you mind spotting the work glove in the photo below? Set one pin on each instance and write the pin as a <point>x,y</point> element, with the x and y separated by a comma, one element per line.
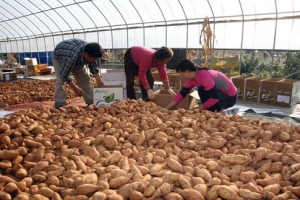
<point>171,92</point>
<point>151,94</point>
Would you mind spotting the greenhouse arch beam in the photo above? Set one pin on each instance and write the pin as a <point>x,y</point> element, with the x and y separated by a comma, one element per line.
<point>89,18</point>
<point>144,40</point>
<point>274,40</point>
<point>105,19</point>
<point>73,16</point>
<point>44,12</point>
<point>214,20</point>
<point>122,18</point>
<point>164,21</point>
<point>242,36</point>
<point>60,17</point>
<point>187,27</point>
<point>37,46</point>
<point>21,28</point>
<point>28,20</point>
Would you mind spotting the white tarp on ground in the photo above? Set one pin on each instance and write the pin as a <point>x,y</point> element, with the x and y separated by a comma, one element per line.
<point>5,112</point>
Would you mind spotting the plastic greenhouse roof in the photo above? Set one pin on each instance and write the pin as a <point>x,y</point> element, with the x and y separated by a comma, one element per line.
<point>38,25</point>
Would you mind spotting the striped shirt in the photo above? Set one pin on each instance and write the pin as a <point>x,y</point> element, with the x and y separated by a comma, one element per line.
<point>70,55</point>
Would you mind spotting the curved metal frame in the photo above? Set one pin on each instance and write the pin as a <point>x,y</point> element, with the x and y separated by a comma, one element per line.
<point>90,18</point>
<point>73,16</point>
<point>60,17</point>
<point>141,21</point>
<point>274,41</point>
<point>242,39</point>
<point>128,26</point>
<point>46,25</point>
<point>19,28</point>
<point>213,14</point>
<point>162,13</point>
<point>25,24</point>
<point>187,26</point>
<point>38,29</point>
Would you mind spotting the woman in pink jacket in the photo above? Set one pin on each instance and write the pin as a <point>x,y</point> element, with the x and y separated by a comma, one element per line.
<point>139,61</point>
<point>216,91</point>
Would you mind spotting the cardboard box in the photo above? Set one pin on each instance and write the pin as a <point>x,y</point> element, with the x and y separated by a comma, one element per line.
<point>29,71</point>
<point>8,76</point>
<point>252,88</point>
<point>288,92</point>
<point>155,75</point>
<point>30,61</point>
<point>268,90</point>
<point>239,82</point>
<point>163,98</point>
<point>19,70</point>
<point>175,80</point>
<point>123,83</point>
<point>108,94</point>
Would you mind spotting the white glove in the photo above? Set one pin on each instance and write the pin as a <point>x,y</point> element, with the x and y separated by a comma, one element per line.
<point>171,92</point>
<point>150,94</point>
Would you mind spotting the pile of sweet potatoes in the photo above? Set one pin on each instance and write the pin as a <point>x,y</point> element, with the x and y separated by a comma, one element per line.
<point>136,150</point>
<point>28,91</point>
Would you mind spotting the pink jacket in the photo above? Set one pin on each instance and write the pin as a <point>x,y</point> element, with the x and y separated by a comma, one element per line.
<point>208,79</point>
<point>144,57</point>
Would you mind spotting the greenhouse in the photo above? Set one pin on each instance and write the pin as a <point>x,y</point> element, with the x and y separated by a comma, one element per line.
<point>240,27</point>
<point>149,100</point>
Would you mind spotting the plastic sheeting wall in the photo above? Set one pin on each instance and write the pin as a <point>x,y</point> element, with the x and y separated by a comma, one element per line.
<point>38,25</point>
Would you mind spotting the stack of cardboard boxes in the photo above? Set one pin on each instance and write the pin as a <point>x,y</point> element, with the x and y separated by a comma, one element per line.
<point>32,68</point>
<point>8,74</point>
<point>29,68</point>
<point>277,91</point>
<point>175,79</point>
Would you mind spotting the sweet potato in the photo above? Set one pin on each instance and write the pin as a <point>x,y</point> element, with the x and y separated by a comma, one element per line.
<point>273,188</point>
<point>173,196</point>
<point>191,194</point>
<point>259,154</point>
<point>202,188</point>
<point>227,192</point>
<point>98,195</point>
<point>110,141</point>
<point>235,159</point>
<point>294,190</point>
<point>283,196</point>
<point>247,194</point>
<point>184,182</point>
<point>86,189</point>
<point>136,195</point>
<point>203,173</point>
<point>117,182</point>
<point>296,176</point>
<point>174,165</point>
<point>217,142</point>
<point>162,190</point>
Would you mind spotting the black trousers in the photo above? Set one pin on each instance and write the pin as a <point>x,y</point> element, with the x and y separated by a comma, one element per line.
<point>225,101</point>
<point>131,71</point>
